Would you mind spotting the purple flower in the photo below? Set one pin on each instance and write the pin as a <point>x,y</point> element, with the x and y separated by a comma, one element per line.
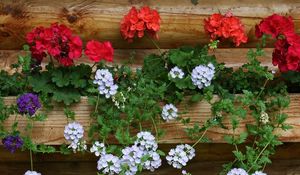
<point>28,104</point>
<point>12,143</point>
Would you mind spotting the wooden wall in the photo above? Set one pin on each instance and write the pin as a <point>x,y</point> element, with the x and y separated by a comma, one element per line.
<point>181,25</point>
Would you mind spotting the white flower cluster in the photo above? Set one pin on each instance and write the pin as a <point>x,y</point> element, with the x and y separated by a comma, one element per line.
<point>169,112</point>
<point>109,164</point>
<point>146,141</point>
<point>259,173</point>
<point>176,72</point>
<point>240,171</point>
<point>74,133</point>
<point>98,149</point>
<point>202,75</point>
<point>132,157</point>
<point>32,173</point>
<point>105,82</point>
<point>264,118</point>
<point>237,171</point>
<point>179,156</point>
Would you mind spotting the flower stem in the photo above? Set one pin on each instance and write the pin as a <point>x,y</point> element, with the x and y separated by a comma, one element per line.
<point>154,43</point>
<point>97,103</point>
<point>199,140</point>
<point>94,65</point>
<point>155,128</point>
<point>259,156</point>
<point>263,88</point>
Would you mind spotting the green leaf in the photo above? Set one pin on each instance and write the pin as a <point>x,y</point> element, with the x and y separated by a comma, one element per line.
<point>196,98</point>
<point>40,83</point>
<point>229,139</point>
<point>60,79</point>
<point>242,138</point>
<point>179,57</point>
<point>161,153</point>
<point>65,150</point>
<point>66,95</point>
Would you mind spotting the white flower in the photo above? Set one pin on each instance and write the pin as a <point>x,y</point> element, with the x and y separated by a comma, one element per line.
<point>109,164</point>
<point>132,157</point>
<point>259,173</point>
<point>105,82</point>
<point>237,171</point>
<point>146,141</point>
<point>74,133</point>
<point>103,76</point>
<point>176,72</point>
<point>98,148</point>
<point>32,173</point>
<point>108,89</point>
<point>179,156</point>
<point>169,112</point>
<point>264,118</point>
<point>202,75</point>
<point>153,162</point>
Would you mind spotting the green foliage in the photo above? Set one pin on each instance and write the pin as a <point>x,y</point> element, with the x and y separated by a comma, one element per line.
<point>62,84</point>
<point>235,96</point>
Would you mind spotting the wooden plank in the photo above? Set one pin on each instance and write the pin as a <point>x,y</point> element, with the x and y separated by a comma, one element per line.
<point>204,152</point>
<point>232,57</point>
<point>51,131</point>
<point>278,167</point>
<point>182,22</point>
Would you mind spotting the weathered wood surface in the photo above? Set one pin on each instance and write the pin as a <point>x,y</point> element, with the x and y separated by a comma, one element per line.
<point>208,161</point>
<point>182,22</point>
<point>278,167</point>
<point>51,131</point>
<point>232,57</point>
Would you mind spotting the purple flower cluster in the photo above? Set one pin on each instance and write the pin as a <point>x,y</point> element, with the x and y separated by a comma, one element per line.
<point>12,143</point>
<point>28,103</point>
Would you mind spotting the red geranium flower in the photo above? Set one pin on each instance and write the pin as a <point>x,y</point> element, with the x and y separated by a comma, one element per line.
<point>137,22</point>
<point>56,41</point>
<point>286,54</point>
<point>225,26</point>
<point>275,25</point>
<point>97,51</point>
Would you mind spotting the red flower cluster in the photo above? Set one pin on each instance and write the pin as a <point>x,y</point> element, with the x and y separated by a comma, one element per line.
<point>287,47</point>
<point>57,41</point>
<point>225,26</point>
<point>140,21</point>
<point>97,51</point>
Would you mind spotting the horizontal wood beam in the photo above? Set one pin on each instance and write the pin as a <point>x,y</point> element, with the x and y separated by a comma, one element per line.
<point>182,22</point>
<point>231,57</point>
<point>51,131</point>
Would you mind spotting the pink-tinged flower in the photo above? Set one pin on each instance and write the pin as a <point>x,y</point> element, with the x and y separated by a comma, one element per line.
<point>225,27</point>
<point>96,51</point>
<point>137,22</point>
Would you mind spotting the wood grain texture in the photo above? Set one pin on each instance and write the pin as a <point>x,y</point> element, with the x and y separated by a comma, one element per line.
<point>231,57</point>
<point>207,161</point>
<point>182,22</point>
<point>51,131</point>
<point>278,167</point>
